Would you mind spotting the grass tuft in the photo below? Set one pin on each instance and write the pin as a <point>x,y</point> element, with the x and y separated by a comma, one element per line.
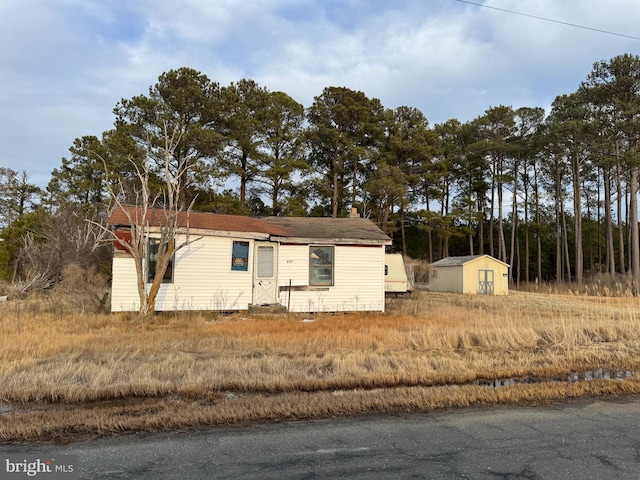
<point>97,373</point>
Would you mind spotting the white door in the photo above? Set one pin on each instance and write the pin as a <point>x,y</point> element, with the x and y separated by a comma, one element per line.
<point>264,276</point>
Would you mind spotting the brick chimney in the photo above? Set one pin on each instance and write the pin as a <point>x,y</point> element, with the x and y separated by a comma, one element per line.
<point>354,213</point>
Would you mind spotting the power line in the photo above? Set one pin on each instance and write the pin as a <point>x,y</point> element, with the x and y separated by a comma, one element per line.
<point>550,20</point>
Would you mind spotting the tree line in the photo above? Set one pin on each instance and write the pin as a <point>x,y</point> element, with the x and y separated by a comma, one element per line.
<point>552,194</point>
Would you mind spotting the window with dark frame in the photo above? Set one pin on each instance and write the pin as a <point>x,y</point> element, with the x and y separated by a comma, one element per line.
<point>321,261</point>
<point>152,262</point>
<point>240,256</point>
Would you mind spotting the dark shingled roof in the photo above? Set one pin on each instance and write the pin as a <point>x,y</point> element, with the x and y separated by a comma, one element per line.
<point>292,229</point>
<point>342,230</point>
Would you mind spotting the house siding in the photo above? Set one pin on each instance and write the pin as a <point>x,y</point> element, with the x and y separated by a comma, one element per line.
<point>471,275</point>
<point>358,280</point>
<point>124,290</point>
<point>203,279</point>
<point>446,279</point>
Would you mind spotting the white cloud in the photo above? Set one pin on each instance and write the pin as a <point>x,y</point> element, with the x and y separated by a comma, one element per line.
<point>69,61</point>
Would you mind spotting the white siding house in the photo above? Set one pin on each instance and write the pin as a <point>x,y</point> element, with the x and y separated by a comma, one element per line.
<point>474,274</point>
<point>304,264</point>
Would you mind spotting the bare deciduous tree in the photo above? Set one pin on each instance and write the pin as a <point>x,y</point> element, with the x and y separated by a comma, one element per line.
<point>60,239</point>
<point>145,221</point>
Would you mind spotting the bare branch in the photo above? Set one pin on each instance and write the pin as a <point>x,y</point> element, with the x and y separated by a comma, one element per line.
<point>145,221</point>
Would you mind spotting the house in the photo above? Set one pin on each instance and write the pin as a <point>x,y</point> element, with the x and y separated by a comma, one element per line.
<point>480,274</point>
<point>304,264</point>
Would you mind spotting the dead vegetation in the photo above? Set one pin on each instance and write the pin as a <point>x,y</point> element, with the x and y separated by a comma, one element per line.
<point>63,374</point>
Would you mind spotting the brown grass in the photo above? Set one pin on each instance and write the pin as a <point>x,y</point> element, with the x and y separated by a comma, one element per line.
<point>64,374</point>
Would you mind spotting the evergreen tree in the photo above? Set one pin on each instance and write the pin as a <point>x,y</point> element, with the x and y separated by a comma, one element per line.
<point>344,130</point>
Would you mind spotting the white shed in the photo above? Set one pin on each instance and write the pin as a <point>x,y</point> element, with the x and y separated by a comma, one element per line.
<point>306,264</point>
<point>475,274</point>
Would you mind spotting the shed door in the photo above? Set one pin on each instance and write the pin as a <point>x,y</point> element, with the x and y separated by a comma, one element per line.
<point>486,285</point>
<point>264,276</point>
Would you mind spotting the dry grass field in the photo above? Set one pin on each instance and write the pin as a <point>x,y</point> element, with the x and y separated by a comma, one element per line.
<point>64,376</point>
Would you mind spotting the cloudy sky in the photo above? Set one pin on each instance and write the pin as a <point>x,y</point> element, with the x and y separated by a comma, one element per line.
<point>64,64</point>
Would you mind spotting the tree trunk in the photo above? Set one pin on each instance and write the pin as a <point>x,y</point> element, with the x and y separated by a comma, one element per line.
<point>514,218</point>
<point>608,222</point>
<point>589,253</point>
<point>243,179</point>
<point>164,257</point>
<point>577,210</point>
<point>526,226</point>
<point>628,223</point>
<point>538,226</point>
<point>518,266</point>
<point>502,246</point>
<point>633,228</point>
<point>559,234</point>
<point>354,181</point>
<point>470,226</point>
<point>334,199</point>
<point>183,170</point>
<point>567,259</point>
<point>275,205</point>
<point>402,232</point>
<point>492,208</point>
<point>480,225</point>
<point>620,221</point>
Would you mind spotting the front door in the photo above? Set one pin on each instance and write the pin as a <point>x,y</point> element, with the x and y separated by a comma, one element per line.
<point>264,274</point>
<point>486,282</point>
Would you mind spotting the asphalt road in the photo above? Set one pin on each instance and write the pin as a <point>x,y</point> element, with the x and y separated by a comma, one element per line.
<point>597,439</point>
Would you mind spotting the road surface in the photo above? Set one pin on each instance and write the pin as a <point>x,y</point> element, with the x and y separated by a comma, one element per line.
<point>594,439</point>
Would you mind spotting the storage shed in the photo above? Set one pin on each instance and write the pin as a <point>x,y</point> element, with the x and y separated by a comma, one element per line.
<point>474,274</point>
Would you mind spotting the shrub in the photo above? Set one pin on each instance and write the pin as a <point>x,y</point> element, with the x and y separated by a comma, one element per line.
<point>82,289</point>
<point>420,269</point>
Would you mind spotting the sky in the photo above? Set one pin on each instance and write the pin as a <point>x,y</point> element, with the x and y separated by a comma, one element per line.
<point>65,64</point>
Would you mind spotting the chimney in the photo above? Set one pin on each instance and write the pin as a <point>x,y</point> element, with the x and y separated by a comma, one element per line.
<point>354,213</point>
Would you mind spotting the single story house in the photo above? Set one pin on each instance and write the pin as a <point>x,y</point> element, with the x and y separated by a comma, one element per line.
<point>304,264</point>
<point>481,274</point>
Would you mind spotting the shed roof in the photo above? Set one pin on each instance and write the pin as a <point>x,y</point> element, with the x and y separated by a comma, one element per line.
<point>286,229</point>
<point>457,261</point>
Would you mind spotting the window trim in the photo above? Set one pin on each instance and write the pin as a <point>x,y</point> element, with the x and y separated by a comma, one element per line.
<point>315,263</point>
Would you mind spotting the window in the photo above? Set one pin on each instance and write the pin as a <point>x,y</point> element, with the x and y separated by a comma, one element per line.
<point>321,266</point>
<point>265,262</point>
<point>152,262</point>
<point>240,256</point>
